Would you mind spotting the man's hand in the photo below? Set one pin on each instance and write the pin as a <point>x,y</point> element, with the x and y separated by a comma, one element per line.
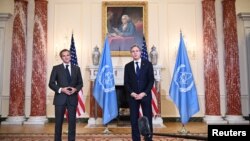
<point>134,95</point>
<point>73,90</point>
<point>140,96</point>
<point>69,90</point>
<point>66,90</point>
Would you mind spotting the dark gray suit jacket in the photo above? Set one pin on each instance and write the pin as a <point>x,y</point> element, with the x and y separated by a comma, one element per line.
<point>58,80</point>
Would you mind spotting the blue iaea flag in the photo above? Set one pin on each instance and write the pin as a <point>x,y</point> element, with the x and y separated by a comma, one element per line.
<point>182,89</point>
<point>104,87</point>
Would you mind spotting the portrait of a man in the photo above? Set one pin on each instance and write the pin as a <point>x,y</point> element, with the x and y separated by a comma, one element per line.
<point>124,26</point>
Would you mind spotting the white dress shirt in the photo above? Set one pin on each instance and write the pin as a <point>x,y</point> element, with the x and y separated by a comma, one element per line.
<point>139,63</point>
<point>69,67</point>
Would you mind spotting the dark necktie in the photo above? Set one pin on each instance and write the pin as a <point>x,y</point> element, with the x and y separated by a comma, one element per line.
<point>68,74</point>
<point>137,70</point>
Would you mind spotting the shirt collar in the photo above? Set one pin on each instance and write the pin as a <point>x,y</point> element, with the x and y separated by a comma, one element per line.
<point>64,64</point>
<point>139,61</point>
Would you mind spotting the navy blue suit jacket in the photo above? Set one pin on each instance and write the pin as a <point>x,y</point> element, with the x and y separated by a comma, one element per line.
<point>58,80</point>
<point>145,81</point>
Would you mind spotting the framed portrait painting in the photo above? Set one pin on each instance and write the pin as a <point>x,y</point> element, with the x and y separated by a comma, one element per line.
<point>125,24</point>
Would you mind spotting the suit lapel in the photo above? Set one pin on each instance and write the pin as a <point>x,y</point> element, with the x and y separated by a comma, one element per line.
<point>72,71</point>
<point>62,71</point>
<point>62,68</point>
<point>65,74</point>
<point>143,65</point>
<point>133,68</point>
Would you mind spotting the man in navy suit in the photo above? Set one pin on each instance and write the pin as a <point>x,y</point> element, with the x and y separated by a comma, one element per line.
<point>139,80</point>
<point>66,81</point>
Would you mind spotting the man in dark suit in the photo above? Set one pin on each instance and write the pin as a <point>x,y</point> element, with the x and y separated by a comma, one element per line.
<point>139,80</point>
<point>66,81</point>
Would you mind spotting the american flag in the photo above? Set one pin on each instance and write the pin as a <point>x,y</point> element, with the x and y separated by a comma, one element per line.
<point>80,107</point>
<point>144,53</point>
<point>154,103</point>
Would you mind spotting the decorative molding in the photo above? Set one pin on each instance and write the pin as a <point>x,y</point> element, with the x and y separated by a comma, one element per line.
<point>36,120</point>
<point>14,120</point>
<point>236,119</point>
<point>5,16</point>
<point>210,119</point>
<point>245,16</point>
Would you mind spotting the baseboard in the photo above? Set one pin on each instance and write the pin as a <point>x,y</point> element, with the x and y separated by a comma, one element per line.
<point>81,120</point>
<point>177,119</point>
<point>126,118</point>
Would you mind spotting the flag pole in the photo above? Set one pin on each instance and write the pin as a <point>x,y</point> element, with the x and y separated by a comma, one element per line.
<point>183,130</point>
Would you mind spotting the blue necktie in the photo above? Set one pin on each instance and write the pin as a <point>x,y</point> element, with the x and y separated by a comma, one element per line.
<point>137,70</point>
<point>68,74</point>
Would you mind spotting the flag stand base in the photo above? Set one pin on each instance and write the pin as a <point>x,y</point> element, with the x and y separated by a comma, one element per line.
<point>183,130</point>
<point>107,131</point>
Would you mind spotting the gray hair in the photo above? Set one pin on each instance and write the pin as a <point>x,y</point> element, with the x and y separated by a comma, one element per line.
<point>126,16</point>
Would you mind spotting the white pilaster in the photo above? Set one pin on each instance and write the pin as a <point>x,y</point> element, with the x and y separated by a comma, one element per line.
<point>244,43</point>
<point>4,23</point>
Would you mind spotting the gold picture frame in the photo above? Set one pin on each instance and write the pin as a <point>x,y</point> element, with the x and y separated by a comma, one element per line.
<point>136,12</point>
